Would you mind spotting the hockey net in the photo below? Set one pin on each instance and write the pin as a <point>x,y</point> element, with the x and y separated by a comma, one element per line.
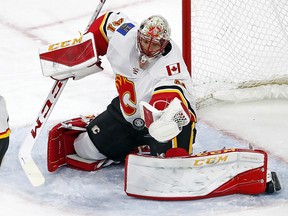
<point>239,49</point>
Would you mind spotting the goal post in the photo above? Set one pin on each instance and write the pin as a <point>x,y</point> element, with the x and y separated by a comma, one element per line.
<point>235,47</point>
<point>186,32</point>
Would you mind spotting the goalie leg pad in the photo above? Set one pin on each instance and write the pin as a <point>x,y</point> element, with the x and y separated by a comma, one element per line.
<point>61,151</point>
<point>60,144</point>
<point>76,162</point>
<point>210,174</point>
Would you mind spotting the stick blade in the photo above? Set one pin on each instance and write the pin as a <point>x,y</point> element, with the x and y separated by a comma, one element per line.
<point>32,171</point>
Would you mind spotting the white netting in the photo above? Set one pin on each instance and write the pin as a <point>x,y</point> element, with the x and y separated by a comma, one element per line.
<point>238,44</point>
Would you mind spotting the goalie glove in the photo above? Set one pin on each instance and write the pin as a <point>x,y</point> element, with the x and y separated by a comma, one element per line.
<point>76,58</point>
<point>167,124</point>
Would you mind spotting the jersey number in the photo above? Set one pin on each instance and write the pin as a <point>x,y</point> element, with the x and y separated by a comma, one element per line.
<point>112,26</point>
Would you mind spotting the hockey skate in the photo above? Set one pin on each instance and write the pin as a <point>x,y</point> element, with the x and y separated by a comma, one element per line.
<point>272,182</point>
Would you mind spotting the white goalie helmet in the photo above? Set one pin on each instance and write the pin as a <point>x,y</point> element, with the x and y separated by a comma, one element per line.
<point>153,36</point>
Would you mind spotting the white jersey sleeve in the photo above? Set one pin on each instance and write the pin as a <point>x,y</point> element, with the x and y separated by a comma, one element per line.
<point>4,128</point>
<point>112,22</point>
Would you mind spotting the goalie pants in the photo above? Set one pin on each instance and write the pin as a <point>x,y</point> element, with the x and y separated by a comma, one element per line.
<point>4,143</point>
<point>114,137</point>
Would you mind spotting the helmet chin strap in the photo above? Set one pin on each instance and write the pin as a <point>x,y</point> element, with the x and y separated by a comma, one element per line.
<point>144,60</point>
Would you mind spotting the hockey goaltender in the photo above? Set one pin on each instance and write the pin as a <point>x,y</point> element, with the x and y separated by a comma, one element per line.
<point>151,124</point>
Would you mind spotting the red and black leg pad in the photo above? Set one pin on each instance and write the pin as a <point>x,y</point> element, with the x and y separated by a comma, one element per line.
<point>61,150</point>
<point>60,143</point>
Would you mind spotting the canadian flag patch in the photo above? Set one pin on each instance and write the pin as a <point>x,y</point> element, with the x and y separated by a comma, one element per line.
<point>173,69</point>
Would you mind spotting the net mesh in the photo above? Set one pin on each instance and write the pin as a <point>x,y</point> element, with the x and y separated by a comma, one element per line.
<point>238,44</point>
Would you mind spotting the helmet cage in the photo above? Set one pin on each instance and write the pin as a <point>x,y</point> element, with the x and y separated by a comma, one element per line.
<point>153,32</point>
<point>147,50</point>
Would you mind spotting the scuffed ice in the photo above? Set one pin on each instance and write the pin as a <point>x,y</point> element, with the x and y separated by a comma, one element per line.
<point>103,190</point>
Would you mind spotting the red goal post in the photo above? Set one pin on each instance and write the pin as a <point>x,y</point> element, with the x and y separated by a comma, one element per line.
<point>186,32</point>
<point>236,50</point>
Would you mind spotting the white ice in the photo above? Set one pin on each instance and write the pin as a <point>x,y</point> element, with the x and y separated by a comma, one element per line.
<point>29,24</point>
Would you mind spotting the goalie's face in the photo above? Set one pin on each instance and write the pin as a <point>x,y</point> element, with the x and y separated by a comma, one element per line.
<point>153,36</point>
<point>149,47</point>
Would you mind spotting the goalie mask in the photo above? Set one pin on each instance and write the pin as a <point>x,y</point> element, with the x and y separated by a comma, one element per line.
<point>153,36</point>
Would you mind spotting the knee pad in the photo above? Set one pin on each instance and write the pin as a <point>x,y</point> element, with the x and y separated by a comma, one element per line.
<point>86,149</point>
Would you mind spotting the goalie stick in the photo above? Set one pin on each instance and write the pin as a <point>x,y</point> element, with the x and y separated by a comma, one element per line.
<point>29,166</point>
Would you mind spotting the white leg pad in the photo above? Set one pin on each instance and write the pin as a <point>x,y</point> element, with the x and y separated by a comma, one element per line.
<point>211,174</point>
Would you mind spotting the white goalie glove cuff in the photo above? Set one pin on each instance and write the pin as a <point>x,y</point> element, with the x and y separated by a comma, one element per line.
<point>79,73</point>
<point>170,122</point>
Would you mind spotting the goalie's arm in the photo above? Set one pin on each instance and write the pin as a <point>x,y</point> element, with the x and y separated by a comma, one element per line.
<point>167,112</point>
<point>162,96</point>
<point>103,29</point>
